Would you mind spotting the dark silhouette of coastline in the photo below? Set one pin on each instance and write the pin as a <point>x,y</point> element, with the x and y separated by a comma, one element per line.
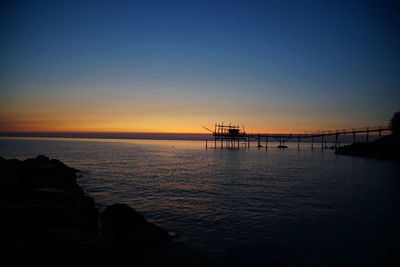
<point>387,147</point>
<point>48,220</point>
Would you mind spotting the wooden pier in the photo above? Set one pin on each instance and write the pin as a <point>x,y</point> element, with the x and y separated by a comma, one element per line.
<point>231,136</point>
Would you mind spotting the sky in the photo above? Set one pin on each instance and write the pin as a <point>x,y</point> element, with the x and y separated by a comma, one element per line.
<point>173,66</point>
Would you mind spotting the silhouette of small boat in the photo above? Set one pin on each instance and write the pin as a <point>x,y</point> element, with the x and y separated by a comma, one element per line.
<point>281,146</point>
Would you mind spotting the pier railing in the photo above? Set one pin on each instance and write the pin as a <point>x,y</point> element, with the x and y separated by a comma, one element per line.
<point>234,138</point>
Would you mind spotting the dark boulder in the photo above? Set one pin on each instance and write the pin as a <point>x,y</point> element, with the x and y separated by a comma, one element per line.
<point>48,220</point>
<point>176,254</point>
<point>42,158</point>
<point>123,225</point>
<point>263,255</point>
<point>18,179</point>
<point>36,196</point>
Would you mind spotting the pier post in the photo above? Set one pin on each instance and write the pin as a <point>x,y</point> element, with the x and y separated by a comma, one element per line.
<point>298,144</point>
<point>322,142</point>
<point>266,142</point>
<point>336,139</point>
<point>354,136</point>
<point>206,143</point>
<point>312,142</point>
<point>259,141</point>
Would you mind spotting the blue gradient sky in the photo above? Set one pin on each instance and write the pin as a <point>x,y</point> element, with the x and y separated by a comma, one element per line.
<point>172,66</point>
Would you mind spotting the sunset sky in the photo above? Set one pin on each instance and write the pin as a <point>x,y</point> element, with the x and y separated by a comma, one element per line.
<point>172,66</point>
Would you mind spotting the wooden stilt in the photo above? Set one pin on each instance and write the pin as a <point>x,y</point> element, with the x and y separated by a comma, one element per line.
<point>336,139</point>
<point>312,143</point>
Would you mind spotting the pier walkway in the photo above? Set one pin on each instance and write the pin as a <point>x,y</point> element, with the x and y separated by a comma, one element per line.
<point>231,136</point>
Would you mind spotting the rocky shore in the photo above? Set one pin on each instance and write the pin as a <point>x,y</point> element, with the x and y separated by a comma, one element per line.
<point>48,220</point>
<point>387,147</point>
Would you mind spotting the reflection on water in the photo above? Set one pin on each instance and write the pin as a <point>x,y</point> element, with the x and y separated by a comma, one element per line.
<point>315,203</point>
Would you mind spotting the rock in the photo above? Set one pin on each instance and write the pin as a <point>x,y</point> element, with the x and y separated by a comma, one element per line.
<point>177,254</point>
<point>37,195</point>
<point>262,255</point>
<point>78,236</point>
<point>123,225</point>
<point>42,158</point>
<point>47,220</point>
<point>18,179</point>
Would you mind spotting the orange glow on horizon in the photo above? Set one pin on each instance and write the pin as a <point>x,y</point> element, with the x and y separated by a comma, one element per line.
<point>158,126</point>
<point>118,114</point>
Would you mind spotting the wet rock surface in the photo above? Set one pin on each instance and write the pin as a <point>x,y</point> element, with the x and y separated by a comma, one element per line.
<point>48,220</point>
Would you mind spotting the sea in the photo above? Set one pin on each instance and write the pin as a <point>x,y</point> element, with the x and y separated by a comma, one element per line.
<point>304,205</point>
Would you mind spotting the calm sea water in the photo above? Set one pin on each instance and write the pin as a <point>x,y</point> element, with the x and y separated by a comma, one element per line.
<point>325,209</point>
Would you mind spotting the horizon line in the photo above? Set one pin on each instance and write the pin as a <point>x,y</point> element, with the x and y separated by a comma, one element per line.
<point>111,135</point>
<point>95,132</point>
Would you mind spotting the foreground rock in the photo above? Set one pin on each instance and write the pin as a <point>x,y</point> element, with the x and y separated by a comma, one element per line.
<point>262,255</point>
<point>47,220</point>
<point>123,226</point>
<point>387,147</point>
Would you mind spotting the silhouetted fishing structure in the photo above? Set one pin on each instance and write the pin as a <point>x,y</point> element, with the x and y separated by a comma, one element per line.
<point>231,136</point>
